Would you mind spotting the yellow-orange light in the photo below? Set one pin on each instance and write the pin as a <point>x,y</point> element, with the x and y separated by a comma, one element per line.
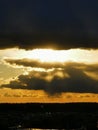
<point>49,55</point>
<point>75,55</point>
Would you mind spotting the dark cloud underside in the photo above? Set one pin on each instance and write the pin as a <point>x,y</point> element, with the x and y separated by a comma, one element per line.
<point>37,23</point>
<point>72,78</point>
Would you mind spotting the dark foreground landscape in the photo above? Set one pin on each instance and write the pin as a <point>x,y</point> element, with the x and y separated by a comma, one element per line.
<point>68,116</point>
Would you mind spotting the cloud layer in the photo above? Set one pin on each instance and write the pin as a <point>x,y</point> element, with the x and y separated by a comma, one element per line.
<point>73,78</point>
<point>35,63</point>
<point>58,24</point>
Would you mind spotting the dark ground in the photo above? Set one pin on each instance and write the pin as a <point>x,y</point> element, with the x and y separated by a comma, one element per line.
<point>83,116</point>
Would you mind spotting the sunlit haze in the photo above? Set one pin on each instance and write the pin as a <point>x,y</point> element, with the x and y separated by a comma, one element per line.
<point>50,55</point>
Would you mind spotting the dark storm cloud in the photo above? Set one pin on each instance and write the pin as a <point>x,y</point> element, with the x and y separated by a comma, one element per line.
<point>70,79</point>
<point>43,23</point>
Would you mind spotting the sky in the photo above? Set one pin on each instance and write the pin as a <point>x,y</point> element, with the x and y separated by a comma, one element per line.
<point>48,51</point>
